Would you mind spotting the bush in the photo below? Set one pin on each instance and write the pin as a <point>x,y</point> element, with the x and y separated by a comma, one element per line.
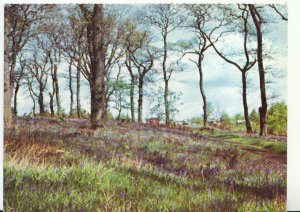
<point>225,122</point>
<point>277,119</point>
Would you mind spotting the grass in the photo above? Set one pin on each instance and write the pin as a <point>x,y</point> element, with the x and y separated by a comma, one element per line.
<point>54,166</point>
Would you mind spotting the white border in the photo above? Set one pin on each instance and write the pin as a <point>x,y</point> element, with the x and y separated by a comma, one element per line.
<point>293,202</point>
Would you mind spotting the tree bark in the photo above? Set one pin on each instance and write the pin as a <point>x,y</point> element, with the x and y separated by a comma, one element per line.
<point>55,78</point>
<point>71,89</point>
<point>51,105</point>
<point>205,121</point>
<point>245,104</point>
<point>41,100</point>
<point>98,69</point>
<point>7,86</point>
<point>166,99</point>
<point>15,99</point>
<point>263,111</point>
<point>78,107</point>
<point>132,98</point>
<point>140,101</point>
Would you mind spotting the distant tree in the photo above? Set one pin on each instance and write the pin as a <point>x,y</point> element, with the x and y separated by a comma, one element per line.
<point>254,118</point>
<point>277,119</point>
<point>156,104</point>
<point>121,93</point>
<point>38,67</point>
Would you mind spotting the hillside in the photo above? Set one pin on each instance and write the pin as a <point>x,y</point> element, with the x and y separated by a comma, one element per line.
<point>63,165</point>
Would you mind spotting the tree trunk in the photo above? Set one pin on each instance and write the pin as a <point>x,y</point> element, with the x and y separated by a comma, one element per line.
<point>166,99</point>
<point>70,88</point>
<point>15,98</point>
<point>78,107</point>
<point>205,121</point>
<point>41,101</point>
<point>98,69</point>
<point>51,105</point>
<point>55,78</point>
<point>132,98</point>
<point>140,101</point>
<point>12,71</point>
<point>7,87</point>
<point>245,104</point>
<point>258,24</point>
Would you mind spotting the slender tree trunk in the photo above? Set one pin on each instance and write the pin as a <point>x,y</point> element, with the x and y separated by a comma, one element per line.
<point>140,101</point>
<point>132,98</point>
<point>98,68</point>
<point>41,101</point>
<point>71,89</point>
<point>78,107</point>
<point>7,86</point>
<point>245,104</point>
<point>166,99</point>
<point>55,78</point>
<point>12,71</point>
<point>257,19</point>
<point>205,121</point>
<point>51,105</point>
<point>15,98</point>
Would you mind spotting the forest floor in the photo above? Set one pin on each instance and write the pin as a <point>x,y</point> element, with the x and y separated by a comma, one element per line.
<point>63,165</point>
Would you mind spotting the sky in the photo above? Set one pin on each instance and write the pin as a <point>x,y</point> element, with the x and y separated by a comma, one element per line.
<point>222,81</point>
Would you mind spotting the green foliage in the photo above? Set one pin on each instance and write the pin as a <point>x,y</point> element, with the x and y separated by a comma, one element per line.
<point>156,106</point>
<point>197,120</point>
<point>254,119</point>
<point>225,122</point>
<point>277,119</point>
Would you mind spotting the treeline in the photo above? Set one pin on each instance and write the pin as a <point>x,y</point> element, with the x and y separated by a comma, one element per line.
<point>119,49</point>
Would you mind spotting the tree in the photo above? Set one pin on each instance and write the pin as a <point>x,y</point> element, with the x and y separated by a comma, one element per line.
<point>201,17</point>
<point>248,64</point>
<point>95,39</point>
<point>254,118</point>
<point>258,22</point>
<point>7,86</point>
<point>166,18</point>
<point>18,76</point>
<point>277,119</point>
<point>156,103</point>
<point>20,28</point>
<point>38,67</point>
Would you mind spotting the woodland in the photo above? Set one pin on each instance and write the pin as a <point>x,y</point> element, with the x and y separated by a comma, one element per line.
<point>113,156</point>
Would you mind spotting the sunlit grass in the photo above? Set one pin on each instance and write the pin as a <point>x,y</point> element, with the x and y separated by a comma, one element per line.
<point>72,168</point>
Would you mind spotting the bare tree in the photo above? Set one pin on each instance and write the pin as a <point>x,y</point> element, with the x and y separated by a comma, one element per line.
<point>248,64</point>
<point>166,18</point>
<point>38,68</point>
<point>258,22</point>
<point>18,76</point>
<point>21,19</point>
<point>201,25</point>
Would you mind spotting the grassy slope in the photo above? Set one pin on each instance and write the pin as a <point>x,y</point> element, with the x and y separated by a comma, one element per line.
<point>65,166</point>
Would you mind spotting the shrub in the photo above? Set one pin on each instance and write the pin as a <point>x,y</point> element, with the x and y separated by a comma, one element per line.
<point>277,119</point>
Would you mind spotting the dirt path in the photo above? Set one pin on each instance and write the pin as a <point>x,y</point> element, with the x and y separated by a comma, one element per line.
<point>263,153</point>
